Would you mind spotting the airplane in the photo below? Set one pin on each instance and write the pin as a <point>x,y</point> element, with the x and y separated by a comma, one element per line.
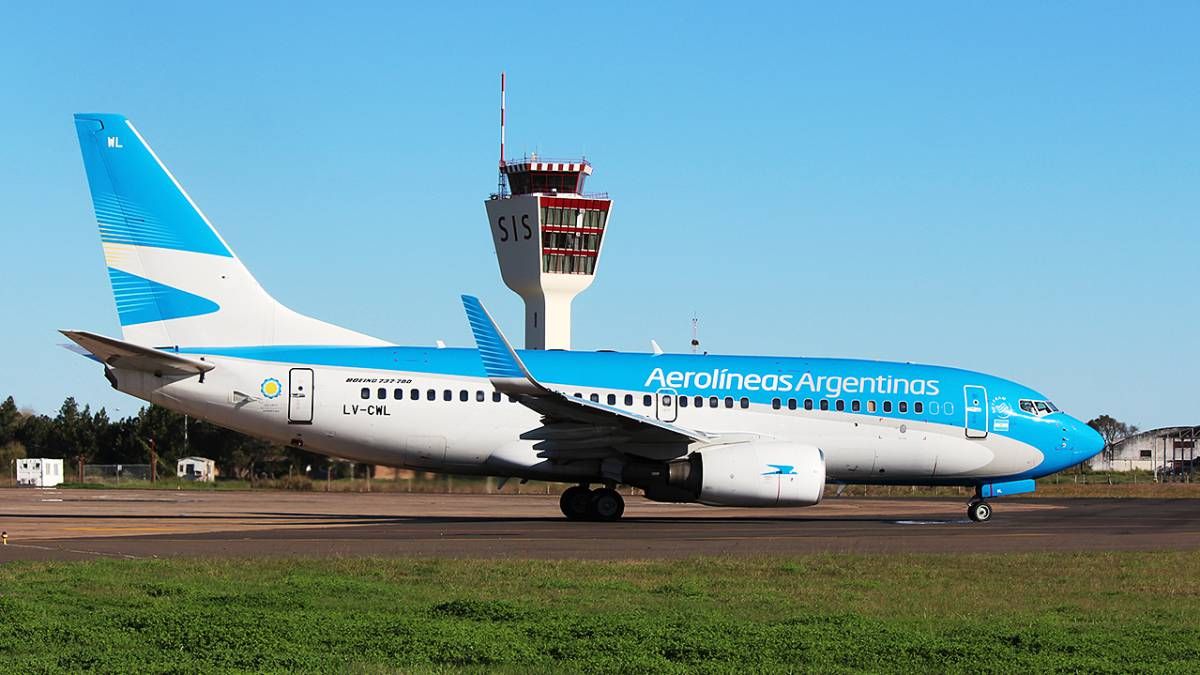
<point>201,336</point>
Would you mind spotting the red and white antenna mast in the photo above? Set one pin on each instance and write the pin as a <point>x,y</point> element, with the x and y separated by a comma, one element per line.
<point>500,187</point>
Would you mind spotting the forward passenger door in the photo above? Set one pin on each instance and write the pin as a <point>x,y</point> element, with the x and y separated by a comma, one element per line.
<point>976,401</point>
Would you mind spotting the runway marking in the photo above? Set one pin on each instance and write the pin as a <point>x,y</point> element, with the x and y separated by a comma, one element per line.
<point>80,551</point>
<point>122,530</point>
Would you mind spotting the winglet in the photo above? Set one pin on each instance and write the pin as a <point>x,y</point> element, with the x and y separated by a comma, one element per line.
<point>504,368</point>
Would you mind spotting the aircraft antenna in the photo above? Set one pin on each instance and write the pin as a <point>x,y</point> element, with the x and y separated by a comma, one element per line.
<point>695,334</point>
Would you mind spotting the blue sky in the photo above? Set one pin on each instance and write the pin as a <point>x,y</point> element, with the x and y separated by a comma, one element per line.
<point>1009,189</point>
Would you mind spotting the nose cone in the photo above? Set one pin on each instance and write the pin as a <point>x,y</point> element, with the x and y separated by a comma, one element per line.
<point>1086,441</point>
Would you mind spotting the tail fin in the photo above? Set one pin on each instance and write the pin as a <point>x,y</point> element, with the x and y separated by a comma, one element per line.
<point>175,280</point>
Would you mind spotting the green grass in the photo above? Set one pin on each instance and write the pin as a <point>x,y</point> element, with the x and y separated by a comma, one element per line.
<point>827,613</point>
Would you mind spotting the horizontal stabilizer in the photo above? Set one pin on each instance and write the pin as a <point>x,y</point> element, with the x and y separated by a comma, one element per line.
<point>120,354</point>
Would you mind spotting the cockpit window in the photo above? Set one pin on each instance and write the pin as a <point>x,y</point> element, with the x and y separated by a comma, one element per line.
<point>1037,408</point>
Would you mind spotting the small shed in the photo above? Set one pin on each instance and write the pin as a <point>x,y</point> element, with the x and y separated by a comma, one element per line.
<point>197,468</point>
<point>39,472</point>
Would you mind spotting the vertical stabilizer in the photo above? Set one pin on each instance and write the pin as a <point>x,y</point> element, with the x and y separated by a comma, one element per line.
<point>175,280</point>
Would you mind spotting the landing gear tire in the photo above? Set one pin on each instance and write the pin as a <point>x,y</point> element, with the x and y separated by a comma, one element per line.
<point>979,512</point>
<point>606,505</point>
<point>575,502</point>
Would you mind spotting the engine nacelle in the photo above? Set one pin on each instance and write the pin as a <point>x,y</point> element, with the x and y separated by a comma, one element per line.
<point>761,473</point>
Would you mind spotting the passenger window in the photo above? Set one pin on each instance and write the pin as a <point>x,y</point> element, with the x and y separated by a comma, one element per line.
<point>744,402</point>
<point>918,407</point>
<point>464,395</point>
<point>629,399</point>
<point>594,398</point>
<point>808,404</point>
<point>447,395</point>
<point>728,401</point>
<point>855,405</point>
<point>903,406</point>
<point>381,393</point>
<point>935,408</point>
<point>887,406</point>
<point>398,394</point>
<point>496,396</point>
<point>431,395</point>
<point>871,406</point>
<point>612,399</point>
<point>776,404</point>
<point>479,396</point>
<point>712,401</point>
<point>414,394</point>
<point>365,393</point>
<point>647,400</point>
<point>840,405</point>
<point>948,408</point>
<point>824,404</point>
<point>791,404</point>
<point>578,395</point>
<point>698,402</point>
<point>683,401</point>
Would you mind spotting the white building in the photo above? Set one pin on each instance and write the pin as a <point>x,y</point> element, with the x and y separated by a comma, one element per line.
<point>197,468</point>
<point>38,472</point>
<point>1171,447</point>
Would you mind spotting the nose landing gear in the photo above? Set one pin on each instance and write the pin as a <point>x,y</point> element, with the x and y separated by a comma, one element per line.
<point>979,511</point>
<point>603,504</point>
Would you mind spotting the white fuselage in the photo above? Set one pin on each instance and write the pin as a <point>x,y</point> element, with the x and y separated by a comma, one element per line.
<point>483,436</point>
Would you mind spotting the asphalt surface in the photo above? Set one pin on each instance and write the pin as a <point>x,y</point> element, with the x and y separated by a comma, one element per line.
<point>90,524</point>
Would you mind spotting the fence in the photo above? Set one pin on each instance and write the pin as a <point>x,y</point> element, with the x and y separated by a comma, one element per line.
<point>106,473</point>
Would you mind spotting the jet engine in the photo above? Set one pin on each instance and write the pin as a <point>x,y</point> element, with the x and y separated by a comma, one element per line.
<point>759,473</point>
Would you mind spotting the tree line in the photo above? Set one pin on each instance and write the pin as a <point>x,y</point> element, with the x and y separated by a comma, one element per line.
<point>79,434</point>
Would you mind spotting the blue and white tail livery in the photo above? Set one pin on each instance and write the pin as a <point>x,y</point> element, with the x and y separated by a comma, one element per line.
<point>202,337</point>
<point>174,278</point>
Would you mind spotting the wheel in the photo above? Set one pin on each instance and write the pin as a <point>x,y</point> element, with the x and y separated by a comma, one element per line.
<point>606,505</point>
<point>979,512</point>
<point>575,502</point>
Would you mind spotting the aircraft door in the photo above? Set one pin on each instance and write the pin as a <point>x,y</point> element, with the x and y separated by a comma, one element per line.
<point>666,405</point>
<point>300,396</point>
<point>976,411</point>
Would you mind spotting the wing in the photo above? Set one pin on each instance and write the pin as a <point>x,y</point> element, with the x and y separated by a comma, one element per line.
<point>572,427</point>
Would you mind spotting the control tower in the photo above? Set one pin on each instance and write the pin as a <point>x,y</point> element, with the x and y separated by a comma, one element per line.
<point>548,234</point>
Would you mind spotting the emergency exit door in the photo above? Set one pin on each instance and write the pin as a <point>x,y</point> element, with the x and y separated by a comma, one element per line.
<point>976,411</point>
<point>666,405</point>
<point>300,396</point>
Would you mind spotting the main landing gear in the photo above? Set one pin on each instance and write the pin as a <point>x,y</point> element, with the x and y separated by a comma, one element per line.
<point>602,504</point>
<point>979,511</point>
